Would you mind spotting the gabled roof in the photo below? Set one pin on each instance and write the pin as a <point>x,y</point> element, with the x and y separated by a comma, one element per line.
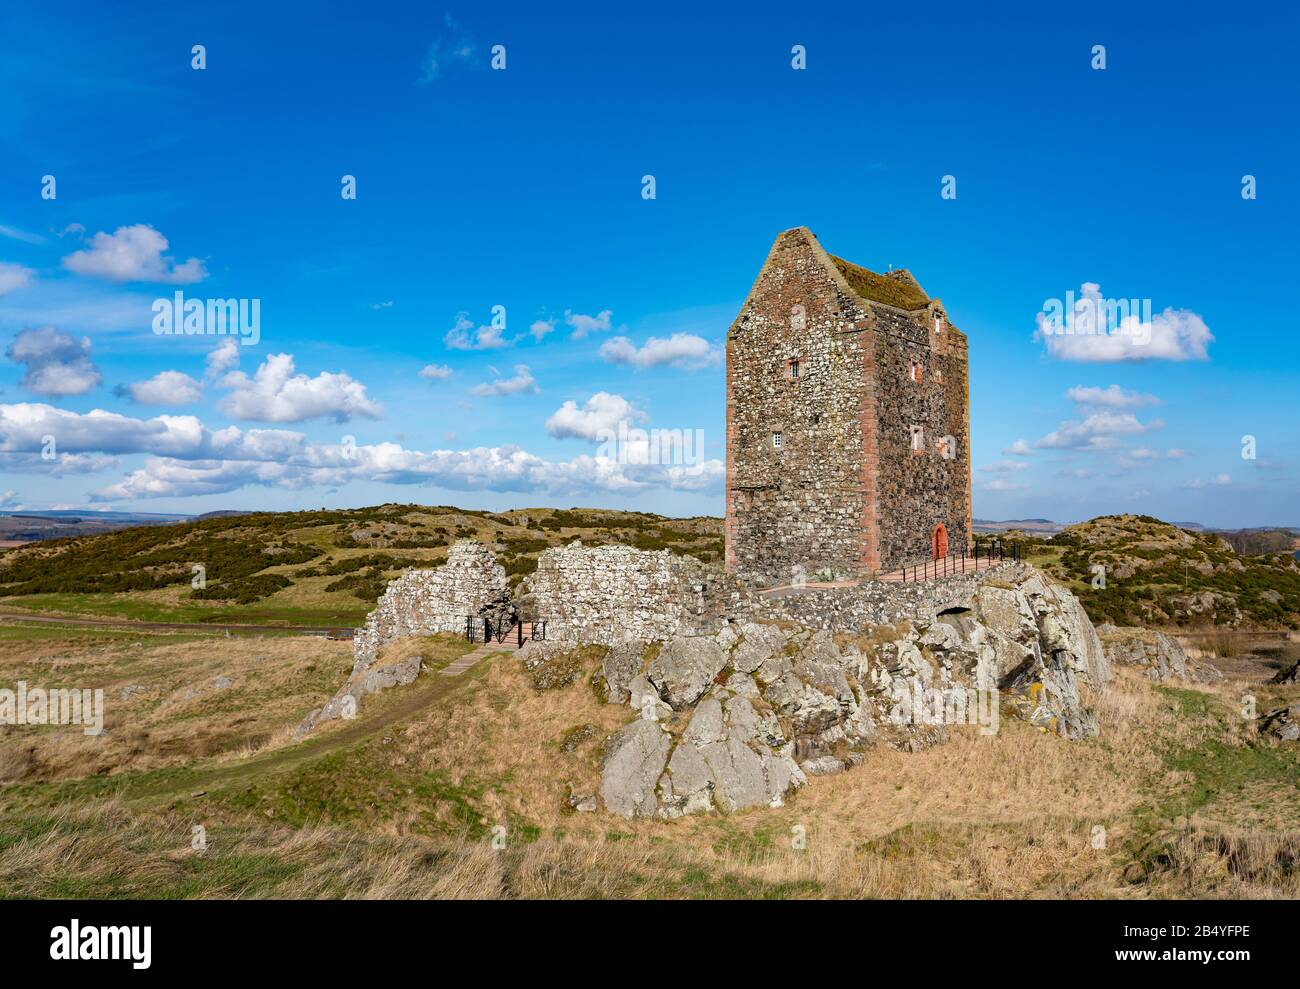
<point>898,289</point>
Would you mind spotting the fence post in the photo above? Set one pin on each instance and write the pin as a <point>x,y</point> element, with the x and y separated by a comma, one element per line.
<point>521,634</point>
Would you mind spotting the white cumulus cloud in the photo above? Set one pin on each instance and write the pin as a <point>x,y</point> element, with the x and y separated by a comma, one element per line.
<point>1098,431</point>
<point>1103,330</point>
<point>463,336</point>
<point>603,411</point>
<point>1112,397</point>
<point>57,363</point>
<point>186,458</point>
<point>583,325</point>
<point>221,359</point>
<point>275,393</point>
<point>165,388</point>
<point>1018,449</point>
<point>133,254</point>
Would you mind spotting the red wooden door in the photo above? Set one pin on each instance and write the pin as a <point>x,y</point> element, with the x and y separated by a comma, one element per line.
<point>939,542</point>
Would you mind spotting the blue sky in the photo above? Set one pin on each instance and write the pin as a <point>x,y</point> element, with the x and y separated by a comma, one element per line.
<point>522,188</point>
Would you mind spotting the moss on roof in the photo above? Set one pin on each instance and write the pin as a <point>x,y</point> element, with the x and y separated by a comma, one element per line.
<point>898,292</point>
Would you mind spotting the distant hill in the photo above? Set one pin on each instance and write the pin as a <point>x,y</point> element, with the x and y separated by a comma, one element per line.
<point>1258,542</point>
<point>1158,574</point>
<point>1023,525</point>
<point>60,524</point>
<point>309,567</point>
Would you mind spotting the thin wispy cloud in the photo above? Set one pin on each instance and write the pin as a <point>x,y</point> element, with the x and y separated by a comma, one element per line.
<point>681,350</point>
<point>453,46</point>
<point>522,383</point>
<point>13,233</point>
<point>14,277</point>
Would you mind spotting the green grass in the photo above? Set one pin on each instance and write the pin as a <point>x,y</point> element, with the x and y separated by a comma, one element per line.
<point>1216,771</point>
<point>132,607</point>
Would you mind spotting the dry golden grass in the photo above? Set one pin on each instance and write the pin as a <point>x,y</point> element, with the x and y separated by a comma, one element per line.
<point>174,712</point>
<point>1010,815</point>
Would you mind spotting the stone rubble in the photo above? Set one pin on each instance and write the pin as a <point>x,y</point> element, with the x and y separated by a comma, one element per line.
<point>1282,723</point>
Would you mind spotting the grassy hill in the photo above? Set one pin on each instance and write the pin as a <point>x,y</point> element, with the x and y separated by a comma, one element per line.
<point>329,567</point>
<point>321,567</point>
<point>1157,574</point>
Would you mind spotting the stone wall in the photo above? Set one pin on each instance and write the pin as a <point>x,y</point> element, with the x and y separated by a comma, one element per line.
<point>850,609</point>
<point>845,494</point>
<point>611,594</point>
<point>917,491</point>
<point>805,504</point>
<point>422,602</point>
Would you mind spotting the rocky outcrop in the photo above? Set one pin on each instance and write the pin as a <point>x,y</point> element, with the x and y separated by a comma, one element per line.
<point>1291,675</point>
<point>742,717</point>
<point>346,703</point>
<point>1161,657</point>
<point>684,669</point>
<point>634,760</point>
<point>423,602</point>
<point>1282,723</point>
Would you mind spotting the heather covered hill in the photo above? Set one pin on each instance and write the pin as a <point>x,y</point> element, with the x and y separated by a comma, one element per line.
<point>304,567</point>
<point>1157,574</point>
<point>317,567</point>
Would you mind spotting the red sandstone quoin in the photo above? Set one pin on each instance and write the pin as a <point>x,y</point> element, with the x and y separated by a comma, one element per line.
<point>848,421</point>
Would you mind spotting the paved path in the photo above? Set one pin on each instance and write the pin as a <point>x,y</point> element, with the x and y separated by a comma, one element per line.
<point>511,644</point>
<point>953,566</point>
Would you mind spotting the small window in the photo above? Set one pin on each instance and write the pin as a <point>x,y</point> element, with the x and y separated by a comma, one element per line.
<point>776,441</point>
<point>916,372</point>
<point>938,376</point>
<point>938,324</point>
<point>794,368</point>
<point>918,439</point>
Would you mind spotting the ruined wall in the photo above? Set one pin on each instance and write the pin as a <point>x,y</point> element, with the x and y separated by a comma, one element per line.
<point>612,594</point>
<point>422,602</point>
<point>845,494</point>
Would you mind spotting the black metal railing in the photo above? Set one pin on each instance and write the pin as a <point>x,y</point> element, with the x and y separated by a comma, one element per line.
<point>952,564</point>
<point>482,629</point>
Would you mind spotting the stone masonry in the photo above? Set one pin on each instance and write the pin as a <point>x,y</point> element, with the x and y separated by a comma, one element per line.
<point>848,422</point>
<point>612,594</point>
<point>422,602</point>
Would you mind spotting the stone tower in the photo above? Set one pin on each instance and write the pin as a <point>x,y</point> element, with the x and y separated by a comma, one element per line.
<point>848,421</point>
